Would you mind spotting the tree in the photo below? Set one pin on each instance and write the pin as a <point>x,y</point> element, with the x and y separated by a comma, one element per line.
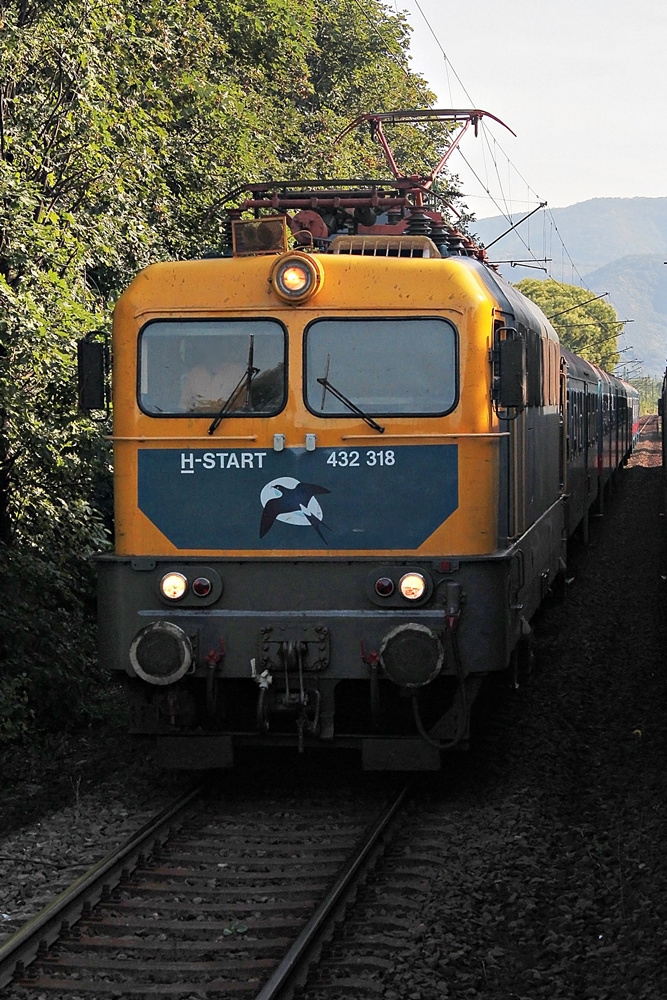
<point>122,125</point>
<point>587,328</point>
<point>649,392</point>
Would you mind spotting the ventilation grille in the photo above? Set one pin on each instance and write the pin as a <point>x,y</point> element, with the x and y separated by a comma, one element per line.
<point>385,246</point>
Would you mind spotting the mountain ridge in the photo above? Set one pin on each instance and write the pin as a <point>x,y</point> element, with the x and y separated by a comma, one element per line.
<point>616,245</point>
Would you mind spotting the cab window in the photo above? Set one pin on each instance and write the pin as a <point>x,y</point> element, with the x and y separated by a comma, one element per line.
<point>191,367</point>
<point>382,365</point>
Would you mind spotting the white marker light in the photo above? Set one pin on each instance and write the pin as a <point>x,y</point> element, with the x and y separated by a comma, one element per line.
<point>412,586</point>
<point>173,586</point>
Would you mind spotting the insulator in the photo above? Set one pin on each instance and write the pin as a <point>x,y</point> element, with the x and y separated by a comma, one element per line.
<point>455,242</point>
<point>419,224</point>
<point>439,237</point>
<point>470,248</point>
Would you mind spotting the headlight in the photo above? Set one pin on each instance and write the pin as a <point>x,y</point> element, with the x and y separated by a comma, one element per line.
<point>412,586</point>
<point>296,277</point>
<point>173,586</point>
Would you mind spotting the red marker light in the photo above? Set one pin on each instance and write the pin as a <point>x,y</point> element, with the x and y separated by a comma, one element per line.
<point>384,587</point>
<point>201,586</point>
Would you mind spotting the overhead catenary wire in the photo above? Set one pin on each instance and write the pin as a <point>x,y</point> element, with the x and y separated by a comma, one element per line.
<point>484,131</point>
<point>495,165</point>
<point>502,211</point>
<point>506,212</point>
<point>448,63</point>
<point>553,227</point>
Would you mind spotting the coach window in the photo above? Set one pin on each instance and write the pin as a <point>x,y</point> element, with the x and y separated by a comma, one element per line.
<point>382,366</point>
<point>189,367</point>
<point>568,439</point>
<point>592,426</point>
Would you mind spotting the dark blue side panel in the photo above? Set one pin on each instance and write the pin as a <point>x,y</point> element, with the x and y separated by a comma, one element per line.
<point>347,498</point>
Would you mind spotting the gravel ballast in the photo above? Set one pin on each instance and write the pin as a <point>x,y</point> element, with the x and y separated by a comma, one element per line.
<point>537,861</point>
<point>538,869</point>
<point>40,859</point>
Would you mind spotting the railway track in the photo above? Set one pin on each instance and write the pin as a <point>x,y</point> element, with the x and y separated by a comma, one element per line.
<point>644,424</point>
<point>208,900</point>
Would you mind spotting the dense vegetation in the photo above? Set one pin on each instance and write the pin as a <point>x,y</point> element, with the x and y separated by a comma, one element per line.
<point>589,328</point>
<point>122,125</point>
<point>649,392</point>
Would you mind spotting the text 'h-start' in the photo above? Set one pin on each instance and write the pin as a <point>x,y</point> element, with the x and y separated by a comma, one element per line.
<point>221,460</point>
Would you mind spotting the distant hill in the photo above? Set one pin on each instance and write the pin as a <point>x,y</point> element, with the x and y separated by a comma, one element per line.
<point>617,245</point>
<point>638,286</point>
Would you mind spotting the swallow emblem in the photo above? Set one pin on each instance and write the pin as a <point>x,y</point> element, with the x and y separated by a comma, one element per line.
<point>286,499</point>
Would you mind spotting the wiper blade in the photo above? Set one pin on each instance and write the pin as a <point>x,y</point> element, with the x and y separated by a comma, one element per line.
<point>245,380</point>
<point>327,386</point>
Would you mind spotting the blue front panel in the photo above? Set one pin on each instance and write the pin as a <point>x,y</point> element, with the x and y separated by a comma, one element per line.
<point>345,498</point>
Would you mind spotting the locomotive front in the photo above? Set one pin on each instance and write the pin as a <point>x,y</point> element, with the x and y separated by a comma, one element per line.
<point>307,489</point>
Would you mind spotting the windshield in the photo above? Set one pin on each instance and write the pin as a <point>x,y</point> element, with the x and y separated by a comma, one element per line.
<point>383,366</point>
<point>200,366</point>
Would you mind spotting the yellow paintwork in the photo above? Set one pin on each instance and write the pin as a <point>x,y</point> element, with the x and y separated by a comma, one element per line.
<point>363,286</point>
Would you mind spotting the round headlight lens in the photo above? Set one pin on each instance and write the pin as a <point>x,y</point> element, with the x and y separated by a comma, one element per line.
<point>295,279</point>
<point>412,586</point>
<point>202,586</point>
<point>384,587</point>
<point>173,586</point>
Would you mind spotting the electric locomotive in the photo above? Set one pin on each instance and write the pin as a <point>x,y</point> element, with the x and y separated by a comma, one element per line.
<point>342,471</point>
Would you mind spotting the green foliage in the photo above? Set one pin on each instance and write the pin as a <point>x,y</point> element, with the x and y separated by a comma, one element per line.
<point>122,125</point>
<point>584,327</point>
<point>17,716</point>
<point>649,393</point>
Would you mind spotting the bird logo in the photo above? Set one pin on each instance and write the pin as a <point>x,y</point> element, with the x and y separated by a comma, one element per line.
<point>286,499</point>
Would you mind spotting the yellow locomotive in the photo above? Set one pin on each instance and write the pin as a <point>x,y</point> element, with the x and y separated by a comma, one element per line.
<point>340,481</point>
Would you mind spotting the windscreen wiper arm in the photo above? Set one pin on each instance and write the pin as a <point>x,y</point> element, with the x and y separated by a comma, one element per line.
<point>245,380</point>
<point>328,387</point>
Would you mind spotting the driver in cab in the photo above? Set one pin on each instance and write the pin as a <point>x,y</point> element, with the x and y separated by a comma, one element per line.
<point>212,382</point>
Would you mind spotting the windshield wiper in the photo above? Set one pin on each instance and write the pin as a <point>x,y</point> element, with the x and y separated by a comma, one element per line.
<point>245,380</point>
<point>327,386</point>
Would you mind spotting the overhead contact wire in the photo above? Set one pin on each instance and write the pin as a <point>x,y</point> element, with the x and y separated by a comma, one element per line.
<point>448,62</point>
<point>506,212</point>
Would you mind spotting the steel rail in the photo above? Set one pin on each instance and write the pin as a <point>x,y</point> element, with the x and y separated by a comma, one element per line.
<point>640,429</point>
<point>46,926</point>
<point>294,960</point>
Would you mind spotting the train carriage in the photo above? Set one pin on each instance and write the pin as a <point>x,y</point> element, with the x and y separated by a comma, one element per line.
<point>341,474</point>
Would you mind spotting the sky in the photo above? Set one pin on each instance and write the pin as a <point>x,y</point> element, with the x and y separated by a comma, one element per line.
<point>581,82</point>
